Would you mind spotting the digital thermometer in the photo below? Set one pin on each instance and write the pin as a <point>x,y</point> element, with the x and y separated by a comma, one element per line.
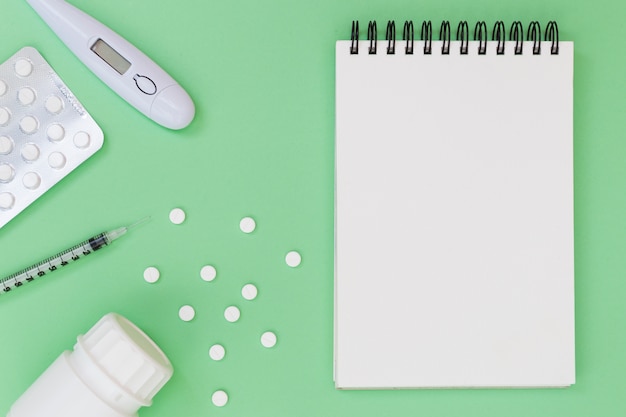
<point>123,67</point>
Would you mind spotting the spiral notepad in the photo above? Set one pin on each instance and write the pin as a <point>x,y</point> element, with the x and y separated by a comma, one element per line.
<point>454,257</point>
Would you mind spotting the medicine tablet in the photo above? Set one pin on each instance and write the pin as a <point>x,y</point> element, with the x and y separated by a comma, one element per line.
<point>55,132</point>
<point>5,116</point>
<point>217,352</point>
<point>247,225</point>
<point>82,140</point>
<point>177,216</point>
<point>30,152</point>
<point>23,67</point>
<point>249,291</point>
<point>219,398</point>
<point>54,105</point>
<point>268,339</point>
<point>232,314</point>
<point>293,259</point>
<point>31,180</point>
<point>186,313</point>
<point>7,173</point>
<point>3,88</point>
<point>57,160</point>
<point>208,273</point>
<point>29,125</point>
<point>7,200</point>
<point>151,275</point>
<point>6,145</point>
<point>26,96</point>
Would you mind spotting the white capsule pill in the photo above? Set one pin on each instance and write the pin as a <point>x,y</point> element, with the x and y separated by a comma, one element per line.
<point>208,273</point>
<point>293,259</point>
<point>247,225</point>
<point>54,104</point>
<point>219,398</point>
<point>82,140</point>
<point>29,124</point>
<point>31,180</point>
<point>268,339</point>
<point>249,291</point>
<point>57,160</point>
<point>186,313</point>
<point>177,216</point>
<point>55,132</point>
<point>7,173</point>
<point>26,96</point>
<point>3,88</point>
<point>7,200</point>
<point>217,352</point>
<point>23,67</point>
<point>30,152</point>
<point>5,116</point>
<point>151,274</point>
<point>232,314</point>
<point>6,145</point>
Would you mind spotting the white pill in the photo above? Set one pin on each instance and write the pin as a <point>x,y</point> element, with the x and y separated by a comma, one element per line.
<point>5,116</point>
<point>31,180</point>
<point>3,88</point>
<point>151,275</point>
<point>82,140</point>
<point>232,314</point>
<point>54,104</point>
<point>7,200</point>
<point>177,216</point>
<point>29,124</point>
<point>23,67</point>
<point>208,273</point>
<point>30,152</point>
<point>268,339</point>
<point>293,259</point>
<point>57,160</point>
<point>186,313</point>
<point>55,132</point>
<point>249,291</point>
<point>6,145</point>
<point>217,352</point>
<point>26,96</point>
<point>219,398</point>
<point>247,225</point>
<point>7,173</point>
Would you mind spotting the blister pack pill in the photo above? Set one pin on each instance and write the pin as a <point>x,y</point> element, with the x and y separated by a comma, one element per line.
<point>45,133</point>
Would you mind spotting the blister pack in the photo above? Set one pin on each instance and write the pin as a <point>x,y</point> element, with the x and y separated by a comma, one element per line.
<point>45,132</point>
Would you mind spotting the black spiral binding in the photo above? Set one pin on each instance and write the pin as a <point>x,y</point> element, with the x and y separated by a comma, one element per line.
<point>516,34</point>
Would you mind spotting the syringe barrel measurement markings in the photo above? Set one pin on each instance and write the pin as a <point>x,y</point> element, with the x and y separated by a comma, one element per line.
<point>63,258</point>
<point>52,263</point>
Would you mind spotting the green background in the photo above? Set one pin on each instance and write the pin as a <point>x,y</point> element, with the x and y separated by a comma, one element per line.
<point>262,77</point>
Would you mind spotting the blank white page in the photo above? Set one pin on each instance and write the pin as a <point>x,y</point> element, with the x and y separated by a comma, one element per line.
<point>454,256</point>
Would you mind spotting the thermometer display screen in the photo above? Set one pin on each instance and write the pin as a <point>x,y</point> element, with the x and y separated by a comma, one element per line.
<point>110,56</point>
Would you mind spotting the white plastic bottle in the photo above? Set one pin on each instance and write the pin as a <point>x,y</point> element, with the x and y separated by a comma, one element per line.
<point>113,371</point>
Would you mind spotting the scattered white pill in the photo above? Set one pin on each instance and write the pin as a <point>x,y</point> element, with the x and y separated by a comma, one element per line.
<point>31,180</point>
<point>55,132</point>
<point>6,145</point>
<point>249,291</point>
<point>208,273</point>
<point>268,339</point>
<point>247,225</point>
<point>5,116</point>
<point>232,314</point>
<point>56,160</point>
<point>30,152</point>
<point>151,275</point>
<point>3,88</point>
<point>54,104</point>
<point>219,398</point>
<point>293,259</point>
<point>217,352</point>
<point>23,67</point>
<point>82,140</point>
<point>7,200</point>
<point>7,173</point>
<point>26,96</point>
<point>29,124</point>
<point>186,313</point>
<point>177,216</point>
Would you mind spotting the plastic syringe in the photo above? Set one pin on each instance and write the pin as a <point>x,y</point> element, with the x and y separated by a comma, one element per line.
<point>64,258</point>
